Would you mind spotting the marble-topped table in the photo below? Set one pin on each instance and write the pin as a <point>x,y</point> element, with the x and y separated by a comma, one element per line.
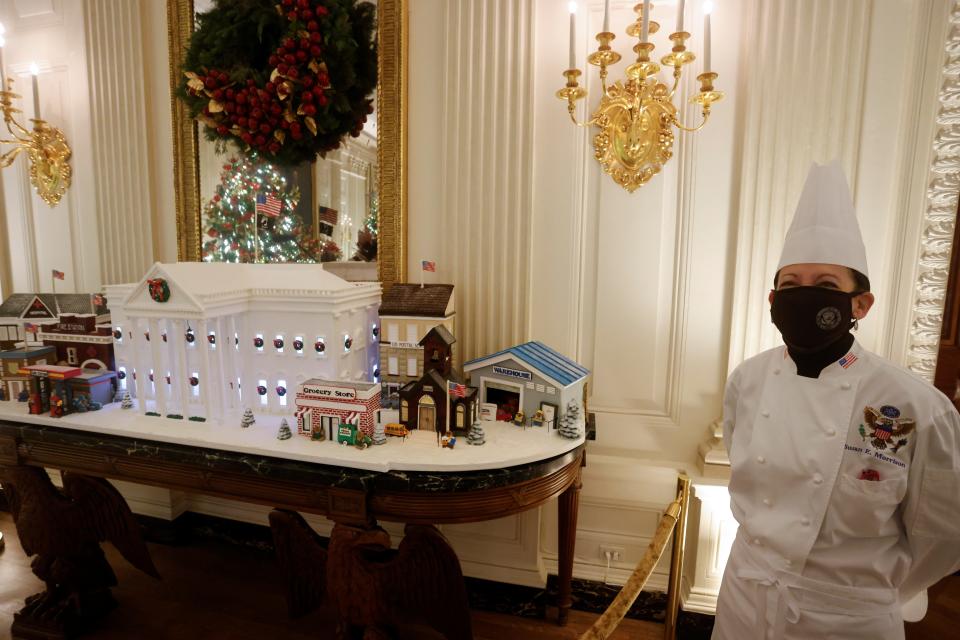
<point>411,481</point>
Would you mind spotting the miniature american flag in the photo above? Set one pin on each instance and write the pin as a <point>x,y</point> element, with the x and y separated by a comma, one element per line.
<point>847,360</point>
<point>98,300</point>
<point>59,275</point>
<point>327,214</point>
<point>459,390</point>
<point>268,205</point>
<point>29,326</point>
<point>429,265</point>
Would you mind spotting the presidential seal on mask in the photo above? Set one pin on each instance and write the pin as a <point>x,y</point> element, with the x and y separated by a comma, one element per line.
<point>845,468</point>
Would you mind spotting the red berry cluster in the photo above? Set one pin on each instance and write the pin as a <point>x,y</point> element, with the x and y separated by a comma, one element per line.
<point>263,116</point>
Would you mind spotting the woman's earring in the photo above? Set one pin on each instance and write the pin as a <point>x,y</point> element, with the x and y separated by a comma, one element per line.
<point>856,324</point>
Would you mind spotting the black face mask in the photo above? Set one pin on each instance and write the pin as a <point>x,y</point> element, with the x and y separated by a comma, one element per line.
<point>812,318</point>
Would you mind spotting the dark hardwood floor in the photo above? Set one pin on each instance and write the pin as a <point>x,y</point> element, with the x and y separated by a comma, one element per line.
<point>217,591</point>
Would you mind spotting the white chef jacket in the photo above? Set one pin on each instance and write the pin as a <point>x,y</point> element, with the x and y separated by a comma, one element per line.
<point>847,491</point>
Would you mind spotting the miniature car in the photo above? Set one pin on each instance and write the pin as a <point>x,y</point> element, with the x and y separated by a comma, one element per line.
<point>519,419</point>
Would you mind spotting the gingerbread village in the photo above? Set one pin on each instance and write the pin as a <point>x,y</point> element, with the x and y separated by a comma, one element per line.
<point>208,341</point>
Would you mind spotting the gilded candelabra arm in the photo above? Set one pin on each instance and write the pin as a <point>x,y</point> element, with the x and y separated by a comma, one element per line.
<point>677,58</point>
<point>682,127</point>
<point>707,96</point>
<point>572,92</point>
<point>604,56</point>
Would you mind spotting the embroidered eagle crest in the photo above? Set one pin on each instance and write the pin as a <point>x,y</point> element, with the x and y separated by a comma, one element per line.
<point>887,428</point>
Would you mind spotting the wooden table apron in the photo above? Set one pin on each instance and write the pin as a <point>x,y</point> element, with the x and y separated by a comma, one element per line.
<point>343,494</point>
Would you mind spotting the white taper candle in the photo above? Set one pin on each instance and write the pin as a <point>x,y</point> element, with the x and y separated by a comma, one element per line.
<point>645,28</point>
<point>35,71</point>
<point>680,15</point>
<point>606,15</point>
<point>573,35</point>
<point>707,10</point>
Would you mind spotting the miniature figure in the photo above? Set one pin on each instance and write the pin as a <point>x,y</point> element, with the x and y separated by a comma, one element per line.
<point>284,433</point>
<point>448,440</point>
<point>247,418</point>
<point>56,406</point>
<point>519,419</point>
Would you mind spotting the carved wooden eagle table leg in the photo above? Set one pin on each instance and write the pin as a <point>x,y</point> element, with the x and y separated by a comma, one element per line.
<point>375,590</point>
<point>64,529</point>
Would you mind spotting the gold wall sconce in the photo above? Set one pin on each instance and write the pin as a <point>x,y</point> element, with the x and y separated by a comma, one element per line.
<point>636,116</point>
<point>46,147</point>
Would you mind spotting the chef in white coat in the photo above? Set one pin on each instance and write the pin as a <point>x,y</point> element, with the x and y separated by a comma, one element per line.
<point>845,468</point>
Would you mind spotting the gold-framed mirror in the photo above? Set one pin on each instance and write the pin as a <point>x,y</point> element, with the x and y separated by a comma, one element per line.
<point>391,139</point>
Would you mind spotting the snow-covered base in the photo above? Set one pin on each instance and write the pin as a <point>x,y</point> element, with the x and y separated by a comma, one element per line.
<point>507,445</point>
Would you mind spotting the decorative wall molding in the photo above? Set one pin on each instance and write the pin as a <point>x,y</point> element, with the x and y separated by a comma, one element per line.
<point>118,124</point>
<point>789,120</point>
<point>939,217</point>
<point>486,187</point>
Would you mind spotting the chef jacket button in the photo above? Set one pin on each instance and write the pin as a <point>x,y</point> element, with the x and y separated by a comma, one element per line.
<point>817,478</point>
<point>767,501</point>
<point>805,521</point>
<point>845,386</point>
<point>831,432</point>
<point>789,562</point>
<point>756,541</point>
<point>765,414</point>
<point>761,459</point>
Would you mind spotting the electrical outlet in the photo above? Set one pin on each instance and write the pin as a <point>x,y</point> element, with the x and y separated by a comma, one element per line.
<point>617,554</point>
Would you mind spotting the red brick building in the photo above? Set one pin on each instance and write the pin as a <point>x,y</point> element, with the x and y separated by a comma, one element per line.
<point>80,342</point>
<point>323,404</point>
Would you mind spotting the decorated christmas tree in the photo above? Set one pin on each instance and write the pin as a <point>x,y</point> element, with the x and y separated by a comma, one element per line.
<point>284,433</point>
<point>367,236</point>
<point>247,418</point>
<point>476,434</point>
<point>235,231</point>
<point>570,422</point>
<point>127,402</point>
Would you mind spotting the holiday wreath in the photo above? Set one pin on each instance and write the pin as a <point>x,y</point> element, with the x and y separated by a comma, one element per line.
<point>286,78</point>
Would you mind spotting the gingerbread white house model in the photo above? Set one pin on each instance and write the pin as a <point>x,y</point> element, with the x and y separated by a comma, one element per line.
<point>200,340</point>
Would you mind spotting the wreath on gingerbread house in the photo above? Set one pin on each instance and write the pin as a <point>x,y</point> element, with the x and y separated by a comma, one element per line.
<point>285,78</point>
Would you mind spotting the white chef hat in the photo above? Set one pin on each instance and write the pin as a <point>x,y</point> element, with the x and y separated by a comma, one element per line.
<point>824,228</point>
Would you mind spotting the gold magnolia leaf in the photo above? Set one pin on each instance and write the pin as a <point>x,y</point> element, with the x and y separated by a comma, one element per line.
<point>303,33</point>
<point>274,74</point>
<point>289,117</point>
<point>210,122</point>
<point>214,107</point>
<point>284,89</point>
<point>196,84</point>
<point>191,75</point>
<point>311,124</point>
<point>313,66</point>
<point>279,135</point>
<point>300,111</point>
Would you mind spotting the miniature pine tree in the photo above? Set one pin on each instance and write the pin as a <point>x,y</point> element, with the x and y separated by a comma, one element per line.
<point>379,433</point>
<point>570,422</point>
<point>476,434</point>
<point>127,402</point>
<point>247,418</point>
<point>284,433</point>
